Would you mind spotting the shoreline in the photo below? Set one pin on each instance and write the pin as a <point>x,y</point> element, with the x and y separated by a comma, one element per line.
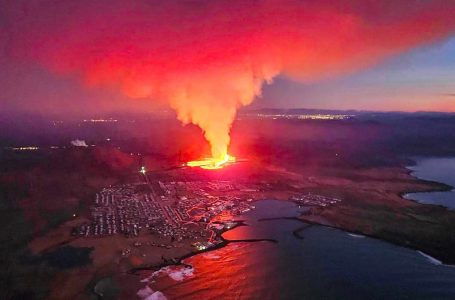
<point>309,223</point>
<point>435,187</point>
<point>434,260</point>
<point>361,234</point>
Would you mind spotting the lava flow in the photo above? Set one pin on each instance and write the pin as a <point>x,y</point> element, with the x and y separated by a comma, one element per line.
<point>212,163</point>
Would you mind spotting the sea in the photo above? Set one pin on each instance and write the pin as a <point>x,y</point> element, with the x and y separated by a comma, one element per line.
<point>301,261</point>
<point>435,169</point>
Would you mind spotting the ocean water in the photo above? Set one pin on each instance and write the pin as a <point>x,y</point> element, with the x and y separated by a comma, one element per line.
<point>325,264</point>
<point>435,169</point>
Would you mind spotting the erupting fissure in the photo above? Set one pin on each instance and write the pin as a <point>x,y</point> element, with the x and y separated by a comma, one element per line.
<point>212,163</point>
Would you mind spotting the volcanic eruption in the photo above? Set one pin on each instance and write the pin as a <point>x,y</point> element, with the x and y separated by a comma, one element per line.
<point>208,59</point>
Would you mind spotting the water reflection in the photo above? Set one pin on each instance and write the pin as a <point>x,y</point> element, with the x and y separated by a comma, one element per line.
<point>326,264</point>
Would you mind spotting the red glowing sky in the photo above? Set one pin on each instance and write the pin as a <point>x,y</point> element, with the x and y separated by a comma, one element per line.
<point>96,55</point>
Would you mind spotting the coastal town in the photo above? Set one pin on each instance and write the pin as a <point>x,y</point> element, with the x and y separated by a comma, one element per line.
<point>180,210</point>
<point>195,211</point>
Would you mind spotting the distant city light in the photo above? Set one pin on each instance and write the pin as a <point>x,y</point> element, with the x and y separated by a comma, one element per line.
<point>305,116</point>
<point>100,120</point>
<point>26,148</point>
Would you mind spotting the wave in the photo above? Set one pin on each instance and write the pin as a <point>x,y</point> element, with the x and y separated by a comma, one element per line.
<point>182,274</point>
<point>356,235</point>
<point>177,273</point>
<point>433,260</point>
<point>148,294</point>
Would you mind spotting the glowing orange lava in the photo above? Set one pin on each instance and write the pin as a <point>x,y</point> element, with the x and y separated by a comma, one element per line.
<point>212,163</point>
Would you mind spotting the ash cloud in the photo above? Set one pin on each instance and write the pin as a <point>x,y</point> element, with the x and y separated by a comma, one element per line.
<point>205,59</point>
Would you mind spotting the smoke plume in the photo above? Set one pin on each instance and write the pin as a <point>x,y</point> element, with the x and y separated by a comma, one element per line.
<point>79,143</point>
<point>206,59</point>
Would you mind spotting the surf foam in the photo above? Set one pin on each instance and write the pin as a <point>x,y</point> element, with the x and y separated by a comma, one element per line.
<point>433,260</point>
<point>148,294</point>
